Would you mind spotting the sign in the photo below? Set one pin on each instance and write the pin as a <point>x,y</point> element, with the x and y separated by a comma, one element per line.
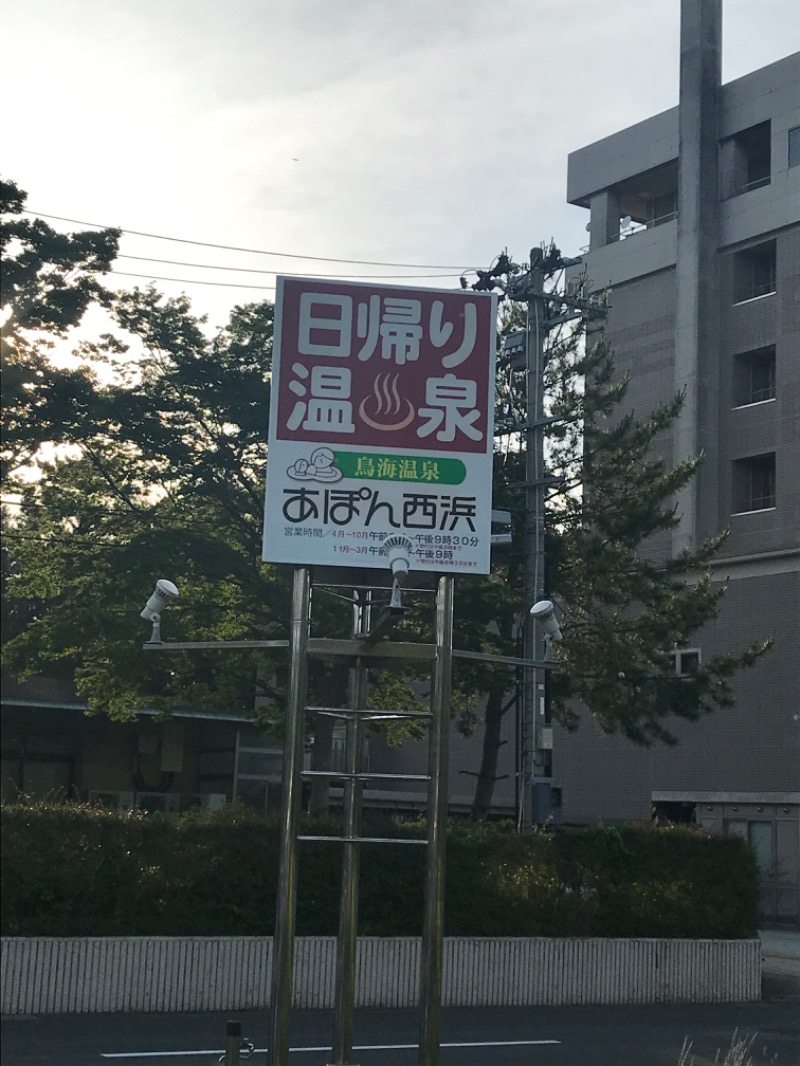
<point>381,423</point>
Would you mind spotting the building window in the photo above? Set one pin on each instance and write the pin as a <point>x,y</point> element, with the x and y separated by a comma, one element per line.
<point>754,272</point>
<point>648,199</point>
<point>746,160</point>
<point>686,661</point>
<point>338,745</point>
<point>759,836</point>
<point>338,761</point>
<point>673,812</point>
<point>754,376</point>
<point>40,766</point>
<point>794,147</point>
<point>754,483</point>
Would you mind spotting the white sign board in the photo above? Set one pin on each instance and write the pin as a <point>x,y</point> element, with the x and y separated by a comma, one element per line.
<point>381,423</point>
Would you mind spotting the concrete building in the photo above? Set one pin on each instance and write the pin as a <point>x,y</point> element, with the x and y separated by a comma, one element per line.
<point>51,749</point>
<point>694,221</point>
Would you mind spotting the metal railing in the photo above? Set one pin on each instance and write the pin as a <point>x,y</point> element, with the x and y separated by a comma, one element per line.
<point>637,227</point>
<point>759,183</point>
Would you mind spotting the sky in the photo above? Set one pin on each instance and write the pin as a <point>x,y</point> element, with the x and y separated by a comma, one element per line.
<point>425,132</point>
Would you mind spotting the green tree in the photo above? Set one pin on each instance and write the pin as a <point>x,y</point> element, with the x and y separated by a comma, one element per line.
<point>50,279</point>
<point>625,611</point>
<point>164,478</point>
<point>159,472</point>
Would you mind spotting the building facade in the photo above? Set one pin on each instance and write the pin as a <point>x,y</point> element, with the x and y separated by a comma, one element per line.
<point>694,222</point>
<point>52,749</point>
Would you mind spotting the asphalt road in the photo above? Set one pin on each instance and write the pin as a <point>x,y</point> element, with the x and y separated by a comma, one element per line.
<point>542,1036</point>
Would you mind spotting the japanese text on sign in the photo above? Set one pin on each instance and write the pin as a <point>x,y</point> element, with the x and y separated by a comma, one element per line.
<point>381,421</point>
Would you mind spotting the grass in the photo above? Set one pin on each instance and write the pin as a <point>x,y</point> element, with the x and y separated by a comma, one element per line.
<point>738,1054</point>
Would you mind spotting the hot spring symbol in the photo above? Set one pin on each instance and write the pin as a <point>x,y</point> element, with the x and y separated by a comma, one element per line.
<point>391,411</point>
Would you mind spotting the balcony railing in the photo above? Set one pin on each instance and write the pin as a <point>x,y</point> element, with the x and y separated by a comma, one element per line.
<point>759,183</point>
<point>638,227</point>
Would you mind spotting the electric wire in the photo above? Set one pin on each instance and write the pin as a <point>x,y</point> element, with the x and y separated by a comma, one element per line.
<point>223,284</point>
<point>249,251</point>
<point>192,281</point>
<point>284,273</point>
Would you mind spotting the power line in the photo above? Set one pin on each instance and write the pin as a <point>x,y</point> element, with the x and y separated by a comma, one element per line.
<point>251,270</point>
<point>250,251</point>
<point>195,281</point>
<point>192,281</point>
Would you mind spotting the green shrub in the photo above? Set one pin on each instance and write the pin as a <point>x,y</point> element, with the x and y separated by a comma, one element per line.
<point>74,870</point>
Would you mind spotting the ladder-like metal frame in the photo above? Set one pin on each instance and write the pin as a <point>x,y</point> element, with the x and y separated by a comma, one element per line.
<point>364,648</point>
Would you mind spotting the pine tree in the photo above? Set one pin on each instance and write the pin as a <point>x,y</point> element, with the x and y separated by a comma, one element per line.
<point>625,607</point>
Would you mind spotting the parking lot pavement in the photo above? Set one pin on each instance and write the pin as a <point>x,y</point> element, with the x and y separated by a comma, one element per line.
<point>780,964</point>
<point>550,1036</point>
<point>780,951</point>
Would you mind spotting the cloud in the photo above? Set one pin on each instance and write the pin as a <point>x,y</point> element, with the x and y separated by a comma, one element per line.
<point>368,129</point>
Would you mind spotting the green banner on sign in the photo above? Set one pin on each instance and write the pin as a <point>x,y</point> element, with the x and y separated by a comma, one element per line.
<point>425,469</point>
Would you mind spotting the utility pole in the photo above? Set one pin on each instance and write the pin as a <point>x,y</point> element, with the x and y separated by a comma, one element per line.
<point>533,681</point>
<point>545,310</point>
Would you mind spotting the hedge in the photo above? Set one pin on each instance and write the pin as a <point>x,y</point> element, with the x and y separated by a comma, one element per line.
<point>72,870</point>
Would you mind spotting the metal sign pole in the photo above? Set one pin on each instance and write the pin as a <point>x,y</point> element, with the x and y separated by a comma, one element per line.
<point>283,942</point>
<point>347,942</point>
<point>433,930</point>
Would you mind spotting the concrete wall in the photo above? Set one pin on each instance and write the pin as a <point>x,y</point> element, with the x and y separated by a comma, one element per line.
<point>630,151</point>
<point>753,746</point>
<point>50,976</point>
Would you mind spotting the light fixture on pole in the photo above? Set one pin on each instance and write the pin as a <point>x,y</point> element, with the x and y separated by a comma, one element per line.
<point>398,549</point>
<point>544,614</point>
<point>161,597</point>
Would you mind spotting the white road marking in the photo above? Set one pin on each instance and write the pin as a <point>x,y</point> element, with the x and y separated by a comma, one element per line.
<point>496,1043</point>
<point>359,1047</point>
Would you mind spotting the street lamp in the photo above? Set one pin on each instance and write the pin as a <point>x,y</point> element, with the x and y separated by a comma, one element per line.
<point>544,614</point>
<point>398,549</point>
<point>161,597</point>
